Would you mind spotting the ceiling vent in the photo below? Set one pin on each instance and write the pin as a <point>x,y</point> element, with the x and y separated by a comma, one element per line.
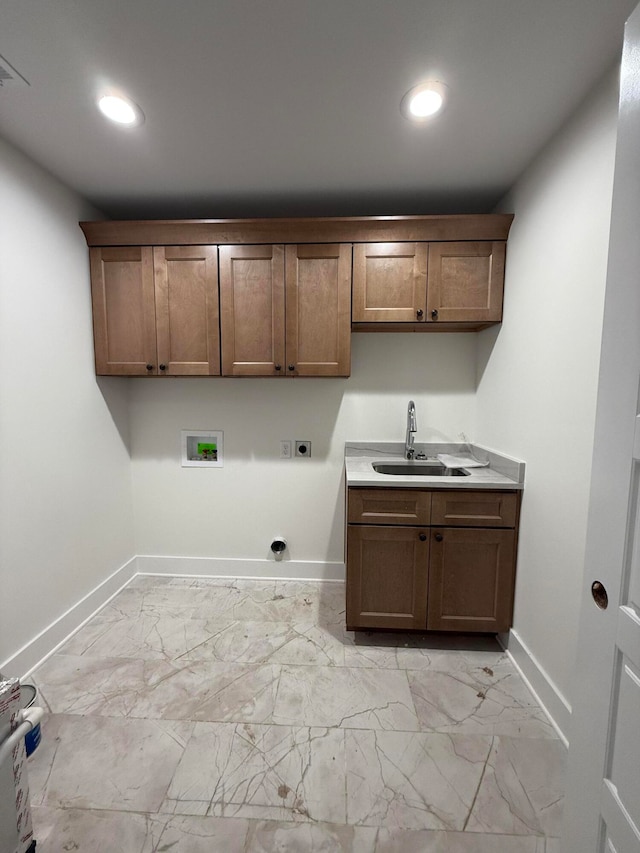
<point>9,77</point>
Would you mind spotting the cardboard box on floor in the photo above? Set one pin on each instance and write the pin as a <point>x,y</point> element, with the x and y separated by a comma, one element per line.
<point>16,804</point>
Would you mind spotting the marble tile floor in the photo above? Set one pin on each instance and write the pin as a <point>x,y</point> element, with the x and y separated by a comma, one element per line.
<point>217,715</point>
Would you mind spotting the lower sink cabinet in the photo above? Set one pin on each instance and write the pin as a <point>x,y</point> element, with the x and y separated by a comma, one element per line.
<point>435,578</point>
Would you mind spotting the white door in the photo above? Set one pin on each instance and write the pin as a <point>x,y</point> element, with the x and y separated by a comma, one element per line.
<point>602,811</point>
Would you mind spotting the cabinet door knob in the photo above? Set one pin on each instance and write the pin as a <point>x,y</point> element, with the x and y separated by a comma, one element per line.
<point>434,314</point>
<point>423,537</point>
<point>277,367</point>
<point>149,367</point>
<point>438,537</point>
<point>162,366</point>
<point>419,313</point>
<point>292,367</point>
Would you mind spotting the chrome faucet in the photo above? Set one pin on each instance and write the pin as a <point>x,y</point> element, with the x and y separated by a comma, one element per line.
<point>412,426</point>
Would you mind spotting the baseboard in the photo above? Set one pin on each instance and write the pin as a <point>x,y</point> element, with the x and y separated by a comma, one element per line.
<point>44,644</point>
<point>551,700</point>
<point>315,570</point>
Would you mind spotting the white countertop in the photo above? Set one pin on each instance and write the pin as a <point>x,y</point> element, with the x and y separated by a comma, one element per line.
<point>359,459</point>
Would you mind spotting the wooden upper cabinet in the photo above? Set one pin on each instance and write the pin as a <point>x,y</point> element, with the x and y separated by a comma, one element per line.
<point>288,318</point>
<point>318,310</point>
<point>288,294</point>
<point>465,282</point>
<point>186,294</point>
<point>155,310</point>
<point>389,282</point>
<point>429,284</point>
<point>123,311</point>
<point>252,310</point>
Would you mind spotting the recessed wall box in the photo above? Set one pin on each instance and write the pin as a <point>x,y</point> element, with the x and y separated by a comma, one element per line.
<point>202,448</point>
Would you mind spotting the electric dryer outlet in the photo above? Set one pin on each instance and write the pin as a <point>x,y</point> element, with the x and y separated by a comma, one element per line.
<point>303,448</point>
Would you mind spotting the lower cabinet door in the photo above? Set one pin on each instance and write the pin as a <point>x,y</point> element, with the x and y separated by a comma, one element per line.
<point>471,579</point>
<point>387,577</point>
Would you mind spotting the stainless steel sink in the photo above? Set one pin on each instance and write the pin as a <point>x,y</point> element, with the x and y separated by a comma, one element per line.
<point>418,469</point>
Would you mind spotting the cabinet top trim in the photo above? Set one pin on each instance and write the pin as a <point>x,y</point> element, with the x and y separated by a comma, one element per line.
<point>347,229</point>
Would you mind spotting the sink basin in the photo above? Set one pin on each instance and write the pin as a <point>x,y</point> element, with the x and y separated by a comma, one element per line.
<point>418,469</point>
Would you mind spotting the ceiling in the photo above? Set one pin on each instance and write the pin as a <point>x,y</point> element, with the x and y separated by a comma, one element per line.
<point>291,107</point>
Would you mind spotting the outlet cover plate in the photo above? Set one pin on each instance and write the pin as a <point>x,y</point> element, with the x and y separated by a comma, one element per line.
<point>303,448</point>
<point>285,449</point>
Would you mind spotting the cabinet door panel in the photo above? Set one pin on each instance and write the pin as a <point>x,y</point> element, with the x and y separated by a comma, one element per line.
<point>252,310</point>
<point>471,580</point>
<point>466,282</point>
<point>318,309</point>
<point>474,509</point>
<point>389,506</point>
<point>123,311</point>
<point>186,284</point>
<point>389,282</point>
<point>386,577</point>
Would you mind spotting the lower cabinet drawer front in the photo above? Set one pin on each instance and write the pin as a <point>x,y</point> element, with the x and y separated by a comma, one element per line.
<point>389,506</point>
<point>387,577</point>
<point>474,509</point>
<point>471,580</point>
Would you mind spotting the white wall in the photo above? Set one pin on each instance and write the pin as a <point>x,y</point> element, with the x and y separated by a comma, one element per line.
<point>235,511</point>
<point>537,375</point>
<point>65,488</point>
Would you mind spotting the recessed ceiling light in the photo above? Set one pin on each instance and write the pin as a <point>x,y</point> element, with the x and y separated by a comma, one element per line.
<point>424,101</point>
<point>120,109</point>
